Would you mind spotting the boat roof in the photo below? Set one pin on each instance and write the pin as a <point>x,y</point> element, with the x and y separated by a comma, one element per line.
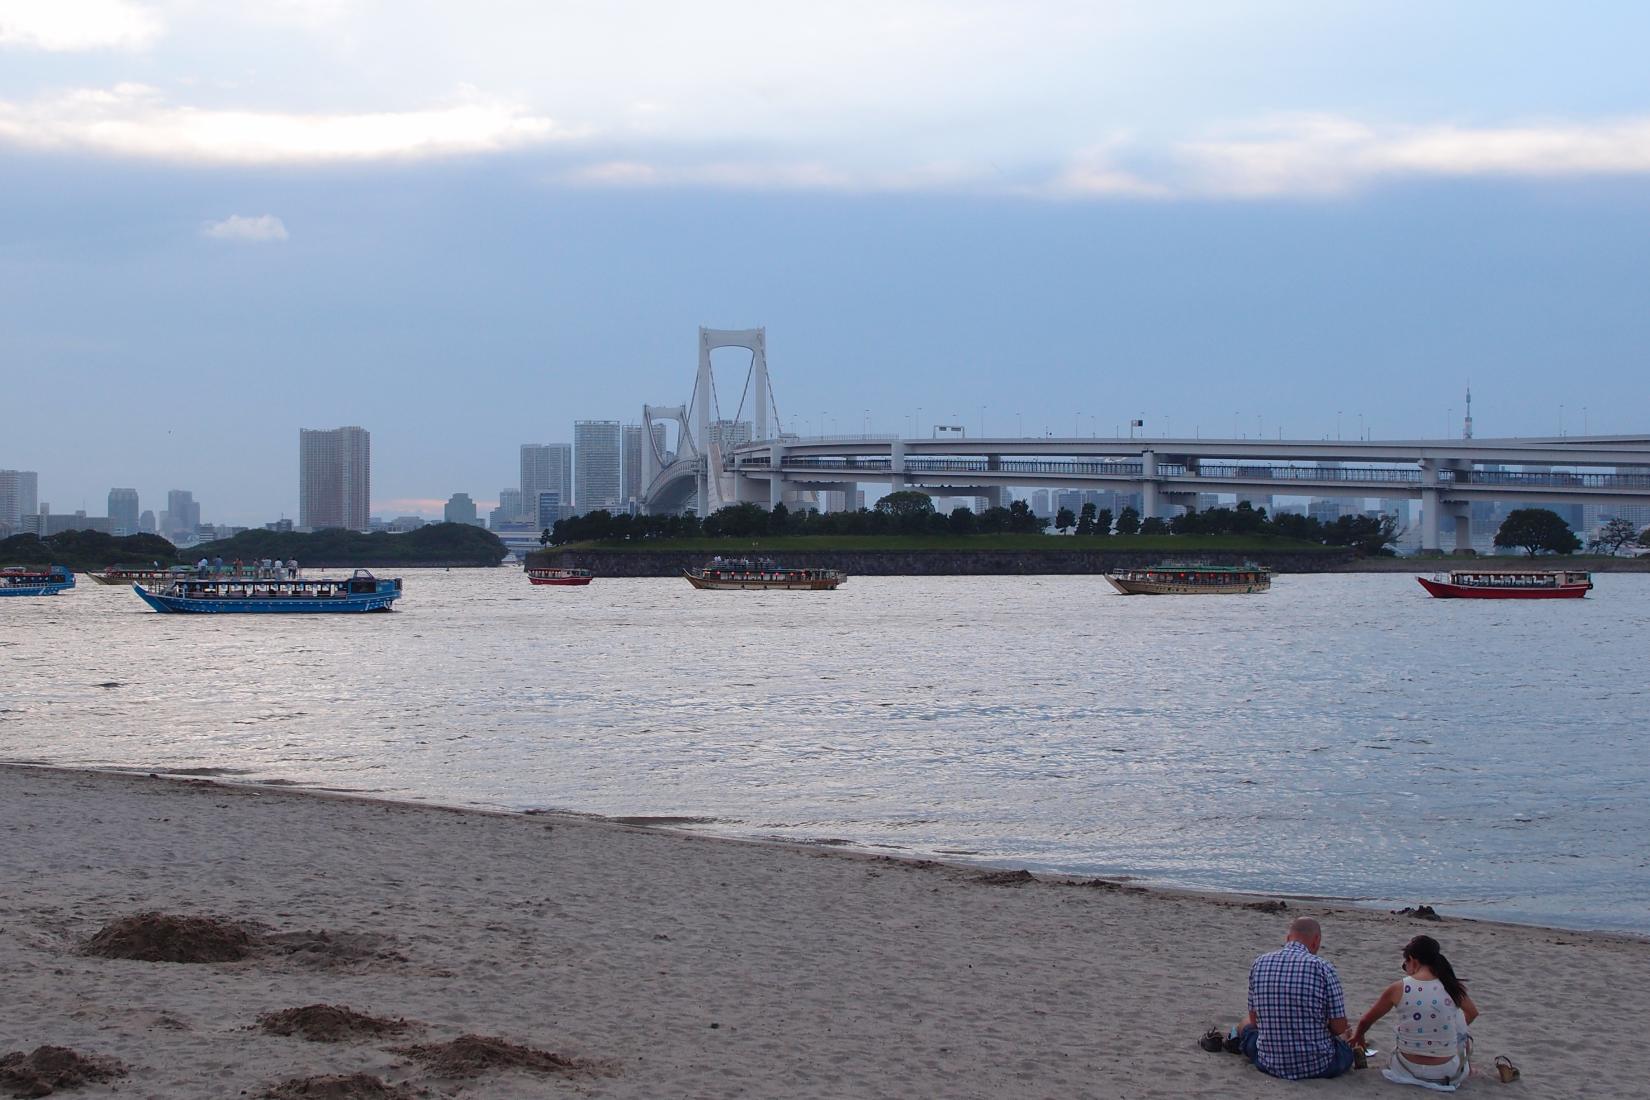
<point>1515,572</point>
<point>1201,567</point>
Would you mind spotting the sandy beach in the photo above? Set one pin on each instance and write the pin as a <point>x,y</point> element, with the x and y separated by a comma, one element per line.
<point>654,963</point>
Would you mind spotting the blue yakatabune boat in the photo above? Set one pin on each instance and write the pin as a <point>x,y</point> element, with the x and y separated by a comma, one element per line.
<point>34,580</point>
<point>246,596</point>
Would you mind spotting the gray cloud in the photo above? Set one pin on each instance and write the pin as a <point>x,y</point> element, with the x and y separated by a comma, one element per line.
<point>249,229</point>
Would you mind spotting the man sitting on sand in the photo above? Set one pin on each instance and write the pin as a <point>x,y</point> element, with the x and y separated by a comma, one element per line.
<point>1297,1011</point>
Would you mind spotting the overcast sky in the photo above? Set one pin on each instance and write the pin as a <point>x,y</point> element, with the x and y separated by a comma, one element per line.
<point>463,226</point>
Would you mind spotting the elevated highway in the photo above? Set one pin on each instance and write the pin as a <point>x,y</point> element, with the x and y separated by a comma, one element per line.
<point>721,460</point>
<point>1445,475</point>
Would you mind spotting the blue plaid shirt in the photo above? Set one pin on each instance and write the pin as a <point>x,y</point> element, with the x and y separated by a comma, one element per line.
<point>1294,994</point>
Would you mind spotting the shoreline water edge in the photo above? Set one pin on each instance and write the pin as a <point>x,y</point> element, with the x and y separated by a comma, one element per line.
<point>653,962</point>
<point>1055,561</point>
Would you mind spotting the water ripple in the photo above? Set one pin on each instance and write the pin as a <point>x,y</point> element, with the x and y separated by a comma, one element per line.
<point>1341,736</point>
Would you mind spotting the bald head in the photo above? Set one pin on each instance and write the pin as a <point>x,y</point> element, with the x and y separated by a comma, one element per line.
<point>1306,932</point>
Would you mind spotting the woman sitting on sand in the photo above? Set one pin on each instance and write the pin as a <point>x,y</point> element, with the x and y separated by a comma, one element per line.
<point>1433,1013</point>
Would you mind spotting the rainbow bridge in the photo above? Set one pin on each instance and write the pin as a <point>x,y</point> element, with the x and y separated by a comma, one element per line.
<point>712,469</point>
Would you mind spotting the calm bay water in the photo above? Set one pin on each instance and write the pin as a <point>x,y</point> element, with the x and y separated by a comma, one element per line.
<point>1341,735</point>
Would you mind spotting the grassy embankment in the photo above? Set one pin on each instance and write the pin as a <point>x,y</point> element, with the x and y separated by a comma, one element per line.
<point>1116,544</point>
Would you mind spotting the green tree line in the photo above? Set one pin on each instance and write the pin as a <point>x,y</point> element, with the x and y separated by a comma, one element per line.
<point>435,543</point>
<point>443,543</point>
<point>908,512</point>
<point>83,550</point>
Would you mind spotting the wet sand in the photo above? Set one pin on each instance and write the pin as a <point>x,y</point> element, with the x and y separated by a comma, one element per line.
<point>650,963</point>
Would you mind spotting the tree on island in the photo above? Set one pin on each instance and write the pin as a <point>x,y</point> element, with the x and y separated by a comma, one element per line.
<point>1064,520</point>
<point>432,544</point>
<point>909,509</point>
<point>1102,522</point>
<point>1023,521</point>
<point>1128,521</point>
<point>1615,534</point>
<point>741,521</point>
<point>1085,519</point>
<point>1536,531</point>
<point>82,550</point>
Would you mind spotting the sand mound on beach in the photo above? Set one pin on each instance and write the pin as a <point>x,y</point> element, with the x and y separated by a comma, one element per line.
<point>46,1069</point>
<point>161,937</point>
<point>164,937</point>
<point>470,1055</point>
<point>329,1024</point>
<point>1005,878</point>
<point>346,1086</point>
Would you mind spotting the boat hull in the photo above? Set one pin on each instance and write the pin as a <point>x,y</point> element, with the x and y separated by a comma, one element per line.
<point>1133,587</point>
<point>820,584</point>
<point>561,581</point>
<point>296,605</point>
<point>1444,590</point>
<point>60,579</point>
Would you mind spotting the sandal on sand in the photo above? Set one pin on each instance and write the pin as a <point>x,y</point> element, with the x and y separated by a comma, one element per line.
<point>1504,1067</point>
<point>1212,1040</point>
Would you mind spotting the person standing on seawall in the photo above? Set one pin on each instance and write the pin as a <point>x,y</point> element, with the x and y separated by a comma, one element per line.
<point>1297,1010</point>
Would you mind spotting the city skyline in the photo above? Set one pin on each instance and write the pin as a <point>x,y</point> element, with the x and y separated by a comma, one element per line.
<point>550,467</point>
<point>1033,231</point>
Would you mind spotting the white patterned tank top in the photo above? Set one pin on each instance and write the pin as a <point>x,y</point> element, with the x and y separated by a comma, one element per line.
<point>1426,1019</point>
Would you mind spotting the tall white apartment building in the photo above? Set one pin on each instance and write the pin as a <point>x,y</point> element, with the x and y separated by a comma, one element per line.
<point>19,497</point>
<point>334,478</point>
<point>597,470</point>
<point>123,512</point>
<point>545,467</point>
<point>635,448</point>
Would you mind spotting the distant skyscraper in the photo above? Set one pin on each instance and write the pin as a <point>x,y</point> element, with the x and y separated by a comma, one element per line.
<point>182,515</point>
<point>549,509</point>
<point>460,509</point>
<point>146,523</point>
<point>535,470</point>
<point>334,478</point>
<point>544,467</point>
<point>19,497</point>
<point>597,479</point>
<point>1325,509</point>
<point>123,511</point>
<point>509,509</point>
<point>635,448</point>
<point>729,433</point>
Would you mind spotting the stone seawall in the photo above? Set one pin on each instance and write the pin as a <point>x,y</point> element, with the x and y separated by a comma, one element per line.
<point>934,563</point>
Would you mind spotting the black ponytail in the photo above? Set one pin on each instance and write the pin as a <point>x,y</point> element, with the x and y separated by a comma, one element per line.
<point>1425,950</point>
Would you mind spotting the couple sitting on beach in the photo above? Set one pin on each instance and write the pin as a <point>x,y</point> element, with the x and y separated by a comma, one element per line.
<point>1296,1026</point>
